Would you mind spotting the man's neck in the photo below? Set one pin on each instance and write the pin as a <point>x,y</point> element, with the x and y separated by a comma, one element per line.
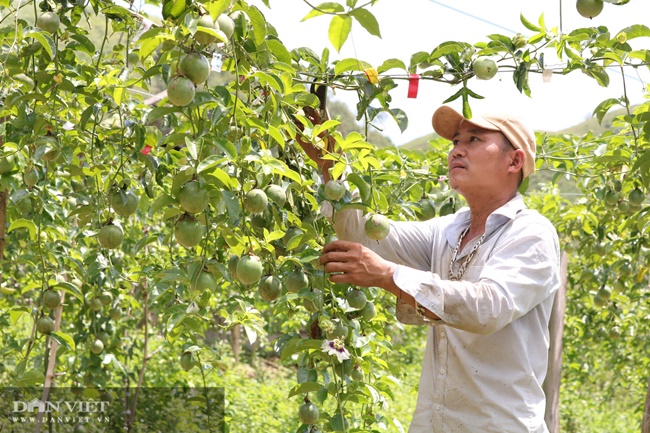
<point>480,209</point>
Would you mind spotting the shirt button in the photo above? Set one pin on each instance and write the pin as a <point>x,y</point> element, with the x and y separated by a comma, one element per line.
<point>442,334</point>
<point>438,407</point>
<point>443,371</point>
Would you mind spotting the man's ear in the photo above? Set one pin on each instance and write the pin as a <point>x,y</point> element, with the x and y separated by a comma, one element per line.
<point>517,162</point>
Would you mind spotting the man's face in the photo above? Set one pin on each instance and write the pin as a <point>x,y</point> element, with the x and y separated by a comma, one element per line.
<point>478,160</point>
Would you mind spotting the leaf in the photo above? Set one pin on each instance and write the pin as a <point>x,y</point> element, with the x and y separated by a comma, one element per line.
<point>64,340</point>
<point>528,24</point>
<point>71,289</point>
<point>304,388</point>
<point>350,64</point>
<point>259,25</point>
<point>173,8</point>
<point>323,8</point>
<point>400,117</point>
<point>216,8</point>
<point>46,41</point>
<point>16,312</point>
<point>339,30</point>
<point>162,202</point>
<point>636,31</point>
<point>367,21</point>
<point>191,147</point>
<point>25,224</point>
<point>30,378</point>
<point>603,108</point>
<point>279,50</point>
<point>391,64</point>
<point>362,186</point>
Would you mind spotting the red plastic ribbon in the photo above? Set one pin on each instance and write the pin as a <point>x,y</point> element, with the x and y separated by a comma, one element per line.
<point>414,82</point>
<point>145,150</point>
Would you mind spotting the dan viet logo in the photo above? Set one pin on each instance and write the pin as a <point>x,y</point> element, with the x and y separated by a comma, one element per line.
<point>61,406</point>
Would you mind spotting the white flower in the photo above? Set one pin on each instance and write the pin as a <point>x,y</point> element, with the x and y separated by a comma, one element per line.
<point>335,347</point>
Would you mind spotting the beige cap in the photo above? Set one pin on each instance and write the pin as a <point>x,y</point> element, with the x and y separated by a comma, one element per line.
<point>446,122</point>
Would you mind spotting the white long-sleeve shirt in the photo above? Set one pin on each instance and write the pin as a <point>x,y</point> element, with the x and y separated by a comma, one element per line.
<point>486,358</point>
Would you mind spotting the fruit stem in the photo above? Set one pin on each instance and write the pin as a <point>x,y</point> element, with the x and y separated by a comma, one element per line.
<point>627,108</point>
<point>101,49</point>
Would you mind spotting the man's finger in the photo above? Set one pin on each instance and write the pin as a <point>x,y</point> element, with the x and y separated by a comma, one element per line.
<point>338,245</point>
<point>334,256</point>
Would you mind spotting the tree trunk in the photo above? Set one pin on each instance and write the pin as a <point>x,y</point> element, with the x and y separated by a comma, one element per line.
<point>646,412</point>
<point>554,374</point>
<point>3,224</point>
<point>236,341</point>
<point>51,363</point>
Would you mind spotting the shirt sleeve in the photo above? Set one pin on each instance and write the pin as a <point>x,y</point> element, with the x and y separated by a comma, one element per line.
<point>407,243</point>
<point>520,272</point>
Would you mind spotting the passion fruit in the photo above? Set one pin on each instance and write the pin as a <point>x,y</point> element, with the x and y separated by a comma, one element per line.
<point>51,298</point>
<point>48,22</point>
<point>334,190</point>
<point>249,269</point>
<point>308,413</point>
<point>296,281</point>
<point>276,194</point>
<point>110,236</point>
<point>270,288</point>
<point>356,299</point>
<point>377,227</point>
<point>45,325</point>
<point>196,67</point>
<point>97,346</point>
<point>256,201</point>
<point>124,203</point>
<point>180,91</point>
<point>590,8</point>
<point>226,25</point>
<point>194,197</point>
<point>188,231</point>
<point>202,37</point>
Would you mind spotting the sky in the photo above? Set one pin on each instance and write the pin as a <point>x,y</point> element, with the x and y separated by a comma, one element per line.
<point>408,26</point>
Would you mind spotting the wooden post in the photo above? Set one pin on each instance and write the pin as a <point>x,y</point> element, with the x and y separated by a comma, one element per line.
<point>556,330</point>
<point>646,412</point>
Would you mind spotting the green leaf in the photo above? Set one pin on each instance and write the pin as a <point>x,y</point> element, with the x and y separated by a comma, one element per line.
<point>401,118</point>
<point>391,64</point>
<point>162,202</point>
<point>216,8</point>
<point>339,30</point>
<point>30,378</point>
<point>362,186</point>
<point>367,21</point>
<point>173,8</point>
<point>528,24</point>
<point>24,224</point>
<point>323,8</point>
<point>64,340</point>
<point>16,312</point>
<point>636,31</point>
<point>259,25</point>
<point>71,289</point>
<point>46,41</point>
<point>279,50</point>
<point>304,388</point>
<point>350,64</point>
<point>603,108</point>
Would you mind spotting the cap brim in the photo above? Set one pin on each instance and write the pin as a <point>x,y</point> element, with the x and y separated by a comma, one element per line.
<point>446,120</point>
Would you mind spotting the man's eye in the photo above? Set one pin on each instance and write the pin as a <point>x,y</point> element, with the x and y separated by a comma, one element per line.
<point>455,142</point>
<point>473,138</point>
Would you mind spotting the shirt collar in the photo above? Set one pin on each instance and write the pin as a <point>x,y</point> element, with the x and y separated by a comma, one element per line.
<point>496,219</point>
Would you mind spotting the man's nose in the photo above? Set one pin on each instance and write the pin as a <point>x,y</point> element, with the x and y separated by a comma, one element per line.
<point>456,151</point>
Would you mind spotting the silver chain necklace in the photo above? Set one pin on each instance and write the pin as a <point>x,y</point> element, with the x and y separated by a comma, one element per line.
<point>455,276</point>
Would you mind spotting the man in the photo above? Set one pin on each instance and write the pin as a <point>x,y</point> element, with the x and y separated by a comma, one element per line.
<point>484,278</point>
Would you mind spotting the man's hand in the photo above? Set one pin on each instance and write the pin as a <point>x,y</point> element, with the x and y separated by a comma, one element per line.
<point>312,151</point>
<point>352,263</point>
